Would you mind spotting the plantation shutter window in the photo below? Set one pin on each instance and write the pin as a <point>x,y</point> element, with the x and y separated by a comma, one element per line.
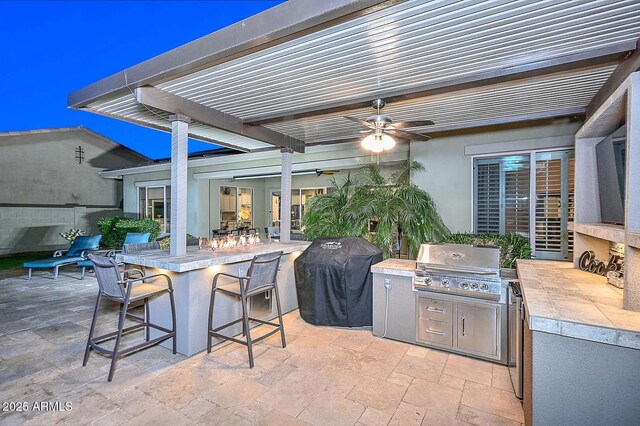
<point>488,198</point>
<point>502,195</point>
<point>554,203</point>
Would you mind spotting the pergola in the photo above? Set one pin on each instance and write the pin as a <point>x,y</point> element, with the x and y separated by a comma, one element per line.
<point>284,79</point>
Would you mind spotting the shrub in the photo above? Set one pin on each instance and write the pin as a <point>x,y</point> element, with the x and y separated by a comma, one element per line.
<point>115,229</point>
<point>512,246</point>
<point>107,226</point>
<point>165,242</point>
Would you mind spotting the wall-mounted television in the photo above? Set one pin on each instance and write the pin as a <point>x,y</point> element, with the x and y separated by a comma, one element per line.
<point>611,159</point>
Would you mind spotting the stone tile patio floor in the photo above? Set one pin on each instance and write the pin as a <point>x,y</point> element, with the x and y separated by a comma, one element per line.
<point>325,376</point>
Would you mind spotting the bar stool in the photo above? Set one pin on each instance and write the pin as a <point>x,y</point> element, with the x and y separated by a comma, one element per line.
<point>123,291</point>
<point>261,277</point>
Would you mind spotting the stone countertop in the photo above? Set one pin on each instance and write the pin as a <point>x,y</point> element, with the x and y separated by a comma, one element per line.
<point>199,259</point>
<point>566,301</point>
<point>401,267</point>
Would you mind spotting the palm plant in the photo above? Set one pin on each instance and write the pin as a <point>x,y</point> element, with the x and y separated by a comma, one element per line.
<point>390,203</point>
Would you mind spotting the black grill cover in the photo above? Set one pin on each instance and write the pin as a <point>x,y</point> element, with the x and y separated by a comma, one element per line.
<point>334,282</point>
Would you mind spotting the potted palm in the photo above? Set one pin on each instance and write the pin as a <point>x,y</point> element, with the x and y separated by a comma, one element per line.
<point>391,204</point>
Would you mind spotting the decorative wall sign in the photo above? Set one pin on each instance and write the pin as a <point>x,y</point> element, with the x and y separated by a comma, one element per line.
<point>589,263</point>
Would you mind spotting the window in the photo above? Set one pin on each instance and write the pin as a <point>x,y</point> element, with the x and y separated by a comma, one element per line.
<point>154,202</point>
<point>554,204</point>
<point>503,191</point>
<point>236,207</point>
<point>299,199</point>
<point>502,195</point>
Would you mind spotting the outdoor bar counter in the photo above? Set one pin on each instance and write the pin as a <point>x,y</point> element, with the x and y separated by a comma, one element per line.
<point>192,276</point>
<point>581,349</point>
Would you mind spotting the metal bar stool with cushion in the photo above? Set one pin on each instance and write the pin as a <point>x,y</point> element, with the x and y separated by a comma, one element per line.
<point>261,277</point>
<point>125,292</point>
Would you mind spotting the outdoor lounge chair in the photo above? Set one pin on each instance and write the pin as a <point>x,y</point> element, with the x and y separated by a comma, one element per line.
<point>131,238</point>
<point>76,253</point>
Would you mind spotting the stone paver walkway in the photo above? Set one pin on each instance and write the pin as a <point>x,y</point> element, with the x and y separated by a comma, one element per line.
<point>325,376</point>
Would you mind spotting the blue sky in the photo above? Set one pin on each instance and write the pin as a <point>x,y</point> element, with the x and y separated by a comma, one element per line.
<point>52,48</point>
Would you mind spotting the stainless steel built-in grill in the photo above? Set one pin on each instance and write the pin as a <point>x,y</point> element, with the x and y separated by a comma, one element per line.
<point>472,271</point>
<point>461,300</point>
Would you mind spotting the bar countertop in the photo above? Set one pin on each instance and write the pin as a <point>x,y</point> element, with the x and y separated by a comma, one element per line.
<point>199,259</point>
<point>566,301</point>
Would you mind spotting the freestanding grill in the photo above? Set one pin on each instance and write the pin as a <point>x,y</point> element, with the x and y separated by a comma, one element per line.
<point>334,281</point>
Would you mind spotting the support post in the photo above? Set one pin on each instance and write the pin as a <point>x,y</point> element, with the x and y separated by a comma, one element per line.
<point>632,198</point>
<point>285,195</point>
<point>179,154</point>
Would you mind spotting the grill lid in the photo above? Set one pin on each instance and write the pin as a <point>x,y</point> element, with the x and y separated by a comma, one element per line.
<point>459,258</point>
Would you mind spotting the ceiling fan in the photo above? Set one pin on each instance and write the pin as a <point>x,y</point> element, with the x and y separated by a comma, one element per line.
<point>382,128</point>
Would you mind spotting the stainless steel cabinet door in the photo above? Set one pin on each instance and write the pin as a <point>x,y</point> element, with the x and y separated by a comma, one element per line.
<point>478,329</point>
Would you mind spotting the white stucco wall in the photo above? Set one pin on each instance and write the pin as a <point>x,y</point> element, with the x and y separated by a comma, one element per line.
<point>448,171</point>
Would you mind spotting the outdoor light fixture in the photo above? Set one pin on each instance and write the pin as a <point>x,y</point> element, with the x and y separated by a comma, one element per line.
<point>378,142</point>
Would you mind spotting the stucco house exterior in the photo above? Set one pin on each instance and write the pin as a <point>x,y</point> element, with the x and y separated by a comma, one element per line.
<point>222,186</point>
<point>50,182</point>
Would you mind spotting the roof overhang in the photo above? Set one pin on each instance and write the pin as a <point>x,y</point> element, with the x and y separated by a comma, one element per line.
<point>287,76</point>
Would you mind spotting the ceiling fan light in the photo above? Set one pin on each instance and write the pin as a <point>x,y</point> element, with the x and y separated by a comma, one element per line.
<point>368,142</point>
<point>377,148</point>
<point>387,142</point>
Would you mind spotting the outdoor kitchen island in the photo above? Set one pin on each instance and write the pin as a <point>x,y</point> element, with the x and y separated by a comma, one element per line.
<point>192,276</point>
<point>581,349</point>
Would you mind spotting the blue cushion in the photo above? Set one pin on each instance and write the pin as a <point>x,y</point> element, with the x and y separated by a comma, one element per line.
<point>137,237</point>
<point>52,262</point>
<point>82,243</point>
<point>85,264</point>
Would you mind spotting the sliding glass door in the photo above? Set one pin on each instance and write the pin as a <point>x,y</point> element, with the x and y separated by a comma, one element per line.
<point>154,202</point>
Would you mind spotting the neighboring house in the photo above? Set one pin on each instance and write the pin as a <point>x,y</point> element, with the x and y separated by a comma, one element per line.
<point>50,182</point>
<point>480,180</point>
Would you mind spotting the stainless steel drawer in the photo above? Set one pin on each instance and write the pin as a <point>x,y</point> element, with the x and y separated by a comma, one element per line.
<point>432,331</point>
<point>439,310</point>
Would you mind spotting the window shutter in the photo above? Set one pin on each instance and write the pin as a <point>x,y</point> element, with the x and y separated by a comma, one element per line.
<point>487,196</point>
<point>502,195</point>
<point>516,194</point>
<point>554,196</point>
<point>571,205</point>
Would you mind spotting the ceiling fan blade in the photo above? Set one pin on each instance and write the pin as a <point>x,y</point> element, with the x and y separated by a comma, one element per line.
<point>366,131</point>
<point>417,123</point>
<point>359,121</point>
<point>409,135</point>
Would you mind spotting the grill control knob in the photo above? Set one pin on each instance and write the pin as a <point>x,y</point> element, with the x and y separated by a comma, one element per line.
<point>474,286</point>
<point>445,283</point>
<point>427,280</point>
<point>484,286</point>
<point>465,286</point>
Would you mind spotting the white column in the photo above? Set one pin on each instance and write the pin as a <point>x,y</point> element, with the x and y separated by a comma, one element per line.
<point>632,198</point>
<point>285,195</point>
<point>179,154</point>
